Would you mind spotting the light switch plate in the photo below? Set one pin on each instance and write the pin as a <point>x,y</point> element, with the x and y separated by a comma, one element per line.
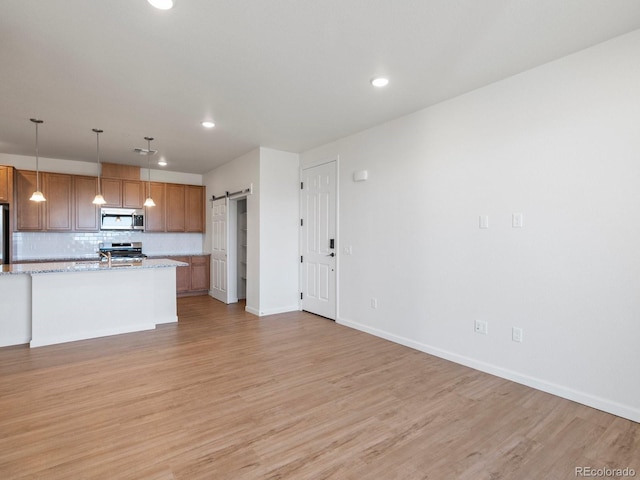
<point>516,334</point>
<point>484,221</point>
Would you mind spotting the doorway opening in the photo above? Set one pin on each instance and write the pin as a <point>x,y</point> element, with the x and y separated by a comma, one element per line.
<point>229,249</point>
<point>241,248</point>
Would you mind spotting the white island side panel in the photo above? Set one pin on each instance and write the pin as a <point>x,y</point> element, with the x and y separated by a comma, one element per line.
<point>79,305</point>
<point>15,309</point>
<point>165,302</point>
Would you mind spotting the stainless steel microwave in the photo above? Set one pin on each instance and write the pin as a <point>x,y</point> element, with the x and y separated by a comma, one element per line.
<point>121,219</point>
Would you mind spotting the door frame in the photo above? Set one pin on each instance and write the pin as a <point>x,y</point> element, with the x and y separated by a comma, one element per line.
<point>317,163</point>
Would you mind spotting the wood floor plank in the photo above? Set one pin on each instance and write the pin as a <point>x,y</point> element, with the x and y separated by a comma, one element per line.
<point>226,395</point>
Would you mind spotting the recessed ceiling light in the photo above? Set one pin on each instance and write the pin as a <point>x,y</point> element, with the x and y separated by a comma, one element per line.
<point>162,4</point>
<point>162,162</point>
<point>208,124</point>
<point>379,82</point>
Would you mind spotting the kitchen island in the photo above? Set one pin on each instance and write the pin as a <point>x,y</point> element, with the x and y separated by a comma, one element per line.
<point>56,302</point>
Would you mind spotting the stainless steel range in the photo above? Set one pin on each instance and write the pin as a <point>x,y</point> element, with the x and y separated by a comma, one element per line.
<point>124,251</point>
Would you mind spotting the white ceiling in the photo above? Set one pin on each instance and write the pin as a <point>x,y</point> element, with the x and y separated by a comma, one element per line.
<point>285,74</point>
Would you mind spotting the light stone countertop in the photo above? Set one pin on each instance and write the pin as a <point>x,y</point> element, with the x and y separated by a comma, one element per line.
<point>87,266</point>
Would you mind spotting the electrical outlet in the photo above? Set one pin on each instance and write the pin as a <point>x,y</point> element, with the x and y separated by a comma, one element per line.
<point>517,220</point>
<point>374,303</point>
<point>481,327</point>
<point>516,334</point>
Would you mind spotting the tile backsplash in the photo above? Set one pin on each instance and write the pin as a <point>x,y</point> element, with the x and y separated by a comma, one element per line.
<point>48,245</point>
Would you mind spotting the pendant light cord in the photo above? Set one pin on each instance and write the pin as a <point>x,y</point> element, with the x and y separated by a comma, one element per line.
<point>98,132</point>
<point>148,139</point>
<point>36,121</point>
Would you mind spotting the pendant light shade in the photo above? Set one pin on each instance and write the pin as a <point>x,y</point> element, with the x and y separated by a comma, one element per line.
<point>37,195</point>
<point>162,4</point>
<point>99,199</point>
<point>149,201</point>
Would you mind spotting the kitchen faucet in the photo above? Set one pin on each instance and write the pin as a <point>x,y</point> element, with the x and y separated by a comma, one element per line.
<point>107,256</point>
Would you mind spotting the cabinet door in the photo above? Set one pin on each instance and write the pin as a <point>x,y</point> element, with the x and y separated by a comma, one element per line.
<point>4,184</point>
<point>194,214</point>
<point>183,275</point>
<point>155,217</point>
<point>58,190</point>
<point>200,273</point>
<point>175,208</point>
<point>112,192</point>
<point>132,193</point>
<point>86,213</point>
<point>28,214</point>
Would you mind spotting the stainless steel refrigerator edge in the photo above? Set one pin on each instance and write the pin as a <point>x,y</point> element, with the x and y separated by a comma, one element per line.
<point>4,234</point>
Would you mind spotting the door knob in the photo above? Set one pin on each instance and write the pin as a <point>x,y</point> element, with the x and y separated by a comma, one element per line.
<point>331,255</point>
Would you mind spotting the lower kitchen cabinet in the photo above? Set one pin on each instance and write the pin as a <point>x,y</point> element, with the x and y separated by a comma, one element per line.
<point>194,279</point>
<point>200,280</point>
<point>183,275</point>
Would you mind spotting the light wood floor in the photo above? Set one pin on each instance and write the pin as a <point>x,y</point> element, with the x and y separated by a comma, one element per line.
<point>225,395</point>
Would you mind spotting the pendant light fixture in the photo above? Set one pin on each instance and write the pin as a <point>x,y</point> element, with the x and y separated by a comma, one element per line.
<point>149,201</point>
<point>37,195</point>
<point>99,199</point>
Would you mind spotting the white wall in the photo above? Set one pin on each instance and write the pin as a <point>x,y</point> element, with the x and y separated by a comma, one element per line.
<point>279,223</point>
<point>231,177</point>
<point>272,231</point>
<point>560,144</point>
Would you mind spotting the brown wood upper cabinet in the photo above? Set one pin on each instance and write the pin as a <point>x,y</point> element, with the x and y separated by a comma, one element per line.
<point>87,215</point>
<point>194,213</point>
<point>28,216</point>
<point>58,190</point>
<point>123,193</point>
<point>6,184</point>
<point>181,205</point>
<point>176,207</point>
<point>155,218</point>
<point>69,205</point>
<point>56,214</point>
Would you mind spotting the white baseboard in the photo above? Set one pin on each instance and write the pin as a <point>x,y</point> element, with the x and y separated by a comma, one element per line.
<point>7,341</point>
<point>169,319</point>
<point>606,405</point>
<point>105,332</point>
<point>271,311</point>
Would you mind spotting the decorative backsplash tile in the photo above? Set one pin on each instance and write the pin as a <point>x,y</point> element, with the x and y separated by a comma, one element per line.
<point>47,245</point>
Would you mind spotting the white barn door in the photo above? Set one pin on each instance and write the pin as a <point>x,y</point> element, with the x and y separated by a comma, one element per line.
<point>219,250</point>
<point>318,240</point>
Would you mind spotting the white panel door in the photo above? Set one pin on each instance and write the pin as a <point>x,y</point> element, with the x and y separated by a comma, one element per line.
<point>318,240</point>
<point>219,250</point>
